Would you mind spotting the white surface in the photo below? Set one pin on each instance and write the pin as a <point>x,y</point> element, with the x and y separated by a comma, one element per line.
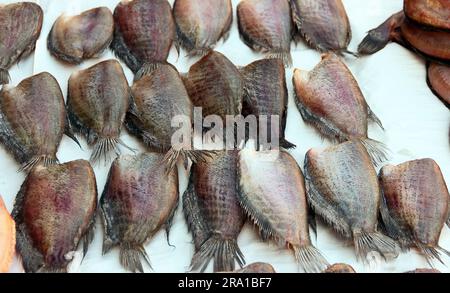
<point>393,81</point>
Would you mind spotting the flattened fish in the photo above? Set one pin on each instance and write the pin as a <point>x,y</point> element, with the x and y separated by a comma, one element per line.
<point>202,23</point>
<point>323,24</point>
<point>97,101</point>
<point>329,98</point>
<point>143,34</point>
<point>434,13</point>
<point>33,120</point>
<point>416,205</point>
<point>7,238</point>
<point>257,268</point>
<point>340,268</point>
<point>342,187</point>
<point>213,213</point>
<point>277,204</point>
<point>266,26</point>
<point>73,39</point>
<point>139,198</point>
<point>55,211</point>
<point>21,25</point>
<point>438,78</point>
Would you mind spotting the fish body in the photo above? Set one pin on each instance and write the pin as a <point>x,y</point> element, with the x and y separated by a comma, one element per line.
<point>55,211</point>
<point>139,198</point>
<point>7,238</point>
<point>433,13</point>
<point>438,77</point>
<point>257,268</point>
<point>340,268</point>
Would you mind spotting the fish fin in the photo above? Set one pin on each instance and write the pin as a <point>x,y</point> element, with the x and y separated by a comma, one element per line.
<point>88,237</point>
<point>69,132</point>
<point>346,51</point>
<point>103,147</point>
<point>284,143</point>
<point>284,56</point>
<point>4,76</point>
<point>312,221</point>
<point>224,251</point>
<point>378,151</point>
<point>46,160</point>
<point>169,222</point>
<point>374,118</point>
<point>366,242</point>
<point>198,52</point>
<point>146,69</point>
<point>431,253</point>
<point>131,255</point>
<point>122,52</point>
<point>172,156</point>
<point>310,259</point>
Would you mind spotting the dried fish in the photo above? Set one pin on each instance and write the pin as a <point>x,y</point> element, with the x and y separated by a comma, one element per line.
<point>55,211</point>
<point>416,205</point>
<point>434,13</point>
<point>7,238</point>
<point>257,268</point>
<point>438,78</point>
<point>73,39</point>
<point>266,26</point>
<point>423,271</point>
<point>277,204</point>
<point>342,187</point>
<point>21,25</point>
<point>329,98</point>
<point>323,24</point>
<point>202,23</point>
<point>213,213</point>
<point>139,198</point>
<point>97,102</point>
<point>33,120</point>
<point>143,34</point>
<point>340,268</point>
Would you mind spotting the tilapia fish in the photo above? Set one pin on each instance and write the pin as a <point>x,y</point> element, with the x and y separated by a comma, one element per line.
<point>33,120</point>
<point>416,205</point>
<point>143,34</point>
<point>201,24</point>
<point>266,26</point>
<point>434,13</point>
<point>342,187</point>
<point>257,268</point>
<point>438,78</point>
<point>21,25</point>
<point>323,24</point>
<point>73,39</point>
<point>7,238</point>
<point>139,198</point>
<point>213,213</point>
<point>329,98</point>
<point>97,102</point>
<point>277,204</point>
<point>340,268</point>
<point>55,211</point>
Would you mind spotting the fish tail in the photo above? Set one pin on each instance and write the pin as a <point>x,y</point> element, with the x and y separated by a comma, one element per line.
<point>146,69</point>
<point>310,259</point>
<point>224,252</point>
<point>378,151</point>
<point>46,160</point>
<point>366,242</point>
<point>286,57</point>
<point>105,146</point>
<point>284,143</point>
<point>347,51</point>
<point>372,43</point>
<point>198,52</point>
<point>172,156</point>
<point>4,76</point>
<point>432,253</point>
<point>131,255</point>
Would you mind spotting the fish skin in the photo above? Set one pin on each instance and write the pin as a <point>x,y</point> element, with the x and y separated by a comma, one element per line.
<point>7,238</point>
<point>266,26</point>
<point>340,268</point>
<point>143,34</point>
<point>324,24</point>
<point>438,78</point>
<point>277,204</point>
<point>33,120</point>
<point>265,93</point>
<point>21,25</point>
<point>138,200</point>
<point>97,102</point>
<point>433,13</point>
<point>213,213</point>
<point>257,268</point>
<point>416,205</point>
<point>201,24</point>
<point>343,188</point>
<point>329,99</point>
<point>73,39</point>
<point>55,211</point>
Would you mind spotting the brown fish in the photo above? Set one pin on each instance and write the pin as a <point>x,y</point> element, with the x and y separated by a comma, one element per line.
<point>139,198</point>
<point>54,211</point>
<point>257,268</point>
<point>266,26</point>
<point>416,205</point>
<point>73,39</point>
<point>213,213</point>
<point>277,204</point>
<point>423,271</point>
<point>21,25</point>
<point>340,268</point>
<point>143,34</point>
<point>438,77</point>
<point>202,23</point>
<point>323,24</point>
<point>97,102</point>
<point>7,238</point>
<point>33,120</point>
<point>342,187</point>
<point>329,98</point>
<point>434,13</point>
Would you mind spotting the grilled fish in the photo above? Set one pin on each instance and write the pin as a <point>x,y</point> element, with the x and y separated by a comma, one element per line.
<point>438,78</point>
<point>340,268</point>
<point>7,238</point>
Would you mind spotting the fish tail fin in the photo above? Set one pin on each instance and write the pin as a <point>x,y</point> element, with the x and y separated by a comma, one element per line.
<point>354,54</point>
<point>198,52</point>
<point>224,252</point>
<point>4,76</point>
<point>284,143</point>
<point>286,57</point>
<point>104,146</point>
<point>432,253</point>
<point>131,255</point>
<point>146,69</point>
<point>172,156</point>
<point>375,241</point>
<point>310,259</point>
<point>46,160</point>
<point>378,151</point>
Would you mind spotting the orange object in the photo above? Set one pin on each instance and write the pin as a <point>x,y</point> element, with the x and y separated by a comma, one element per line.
<point>7,238</point>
